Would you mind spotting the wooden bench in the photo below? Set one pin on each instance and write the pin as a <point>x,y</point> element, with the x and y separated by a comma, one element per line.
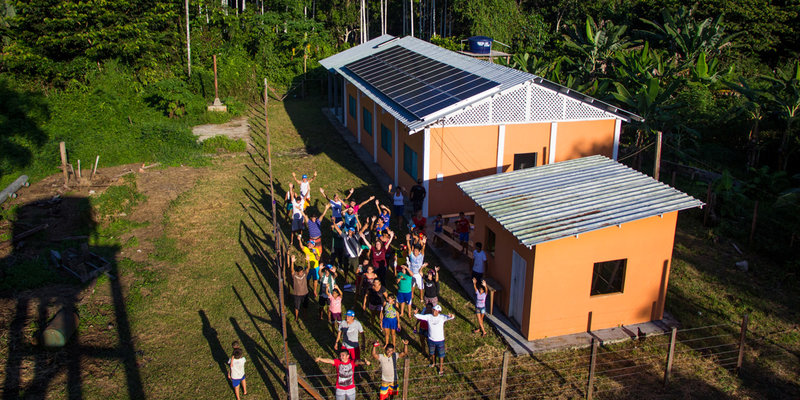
<point>453,243</point>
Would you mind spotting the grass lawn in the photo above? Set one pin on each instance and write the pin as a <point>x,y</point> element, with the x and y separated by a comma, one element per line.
<point>213,282</point>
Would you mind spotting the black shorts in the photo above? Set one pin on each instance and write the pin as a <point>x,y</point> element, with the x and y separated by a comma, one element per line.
<point>300,301</point>
<point>323,301</point>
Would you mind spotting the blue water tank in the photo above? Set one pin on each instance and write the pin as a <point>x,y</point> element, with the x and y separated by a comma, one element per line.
<point>480,44</point>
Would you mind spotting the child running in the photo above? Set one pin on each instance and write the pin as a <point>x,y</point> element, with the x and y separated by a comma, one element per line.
<point>236,372</point>
<point>388,361</point>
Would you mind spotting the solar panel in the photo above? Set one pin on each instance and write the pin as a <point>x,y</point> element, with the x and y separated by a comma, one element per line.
<point>417,83</point>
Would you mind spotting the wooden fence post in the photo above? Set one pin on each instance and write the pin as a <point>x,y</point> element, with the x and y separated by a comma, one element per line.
<point>753,225</point>
<point>94,169</point>
<point>670,355</point>
<point>592,362</point>
<point>63,150</point>
<point>657,166</point>
<point>406,373</point>
<point>742,336</point>
<point>294,393</point>
<point>506,356</point>
<point>707,207</point>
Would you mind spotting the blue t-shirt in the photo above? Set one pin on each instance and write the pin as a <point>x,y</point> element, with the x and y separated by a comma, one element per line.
<point>386,217</point>
<point>336,208</point>
<point>314,228</point>
<point>349,220</point>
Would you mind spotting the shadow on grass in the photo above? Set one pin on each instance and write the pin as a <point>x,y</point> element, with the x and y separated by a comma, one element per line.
<point>56,288</point>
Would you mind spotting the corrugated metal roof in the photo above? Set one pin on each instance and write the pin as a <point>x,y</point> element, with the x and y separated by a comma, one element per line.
<point>554,201</point>
<point>506,77</point>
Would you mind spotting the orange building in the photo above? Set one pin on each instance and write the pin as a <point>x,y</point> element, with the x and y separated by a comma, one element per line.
<point>578,245</point>
<point>424,112</point>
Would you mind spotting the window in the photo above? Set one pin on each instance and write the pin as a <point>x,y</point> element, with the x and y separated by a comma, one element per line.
<point>525,160</point>
<point>608,277</point>
<point>367,121</point>
<point>386,139</point>
<point>490,240</point>
<point>410,161</point>
<point>352,107</point>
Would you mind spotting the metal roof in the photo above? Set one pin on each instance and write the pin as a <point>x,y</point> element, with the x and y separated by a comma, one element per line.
<point>568,198</point>
<point>506,77</point>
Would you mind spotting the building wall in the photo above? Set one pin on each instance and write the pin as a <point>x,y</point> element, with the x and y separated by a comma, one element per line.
<point>367,140</point>
<point>578,139</point>
<point>499,263</point>
<point>563,274</point>
<point>526,138</point>
<point>352,123</point>
<point>459,154</point>
<point>385,160</point>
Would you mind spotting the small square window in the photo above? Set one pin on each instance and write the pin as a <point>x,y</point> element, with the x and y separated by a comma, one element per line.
<point>525,160</point>
<point>608,277</point>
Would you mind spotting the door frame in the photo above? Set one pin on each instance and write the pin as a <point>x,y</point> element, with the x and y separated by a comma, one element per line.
<point>516,294</point>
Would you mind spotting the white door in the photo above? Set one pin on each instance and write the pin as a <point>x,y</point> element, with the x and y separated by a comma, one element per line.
<point>517,291</point>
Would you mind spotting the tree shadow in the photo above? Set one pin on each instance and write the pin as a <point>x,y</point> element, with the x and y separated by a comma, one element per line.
<point>28,281</point>
<point>21,116</point>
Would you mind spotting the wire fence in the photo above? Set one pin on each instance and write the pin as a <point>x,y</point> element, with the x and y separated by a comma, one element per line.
<point>604,370</point>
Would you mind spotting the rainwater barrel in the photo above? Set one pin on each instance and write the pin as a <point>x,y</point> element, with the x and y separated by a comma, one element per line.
<point>60,328</point>
<point>480,44</point>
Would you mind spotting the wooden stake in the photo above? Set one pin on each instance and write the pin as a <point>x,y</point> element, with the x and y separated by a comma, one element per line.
<point>670,355</point>
<point>673,178</point>
<point>94,169</point>
<point>79,171</point>
<point>63,149</point>
<point>406,373</point>
<point>293,392</point>
<point>592,362</point>
<point>657,166</point>
<point>506,356</point>
<point>742,337</point>
<point>216,90</point>
<point>753,225</point>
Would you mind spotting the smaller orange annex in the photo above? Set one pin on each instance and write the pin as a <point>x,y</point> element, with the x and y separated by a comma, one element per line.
<point>428,113</point>
<point>578,245</point>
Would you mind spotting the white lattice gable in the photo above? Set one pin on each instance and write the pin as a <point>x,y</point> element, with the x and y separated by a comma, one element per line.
<point>525,103</point>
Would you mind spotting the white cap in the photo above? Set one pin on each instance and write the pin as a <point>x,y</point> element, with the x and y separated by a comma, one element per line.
<point>437,307</point>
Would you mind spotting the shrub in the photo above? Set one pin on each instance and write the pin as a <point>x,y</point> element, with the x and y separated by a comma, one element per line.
<point>223,144</point>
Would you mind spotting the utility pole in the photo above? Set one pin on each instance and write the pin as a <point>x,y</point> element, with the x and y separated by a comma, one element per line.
<point>657,166</point>
<point>188,41</point>
<point>411,14</point>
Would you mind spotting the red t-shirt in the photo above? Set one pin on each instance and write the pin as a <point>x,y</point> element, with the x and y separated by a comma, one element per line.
<point>462,225</point>
<point>345,373</point>
<point>420,223</point>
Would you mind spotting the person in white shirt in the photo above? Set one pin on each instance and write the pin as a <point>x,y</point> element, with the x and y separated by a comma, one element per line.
<point>479,262</point>
<point>236,373</point>
<point>435,334</point>
<point>305,186</point>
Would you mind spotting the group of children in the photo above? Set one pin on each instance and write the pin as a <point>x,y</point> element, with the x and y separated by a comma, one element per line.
<point>362,257</point>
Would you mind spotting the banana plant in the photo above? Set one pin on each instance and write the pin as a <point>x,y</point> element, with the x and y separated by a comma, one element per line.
<point>597,43</point>
<point>784,95</point>
<point>751,109</point>
<point>687,37</point>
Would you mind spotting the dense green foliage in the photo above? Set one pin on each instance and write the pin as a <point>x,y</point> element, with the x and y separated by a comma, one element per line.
<point>720,78</point>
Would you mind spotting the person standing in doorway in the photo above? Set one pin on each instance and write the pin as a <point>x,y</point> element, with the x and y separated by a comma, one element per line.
<point>436,347</point>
